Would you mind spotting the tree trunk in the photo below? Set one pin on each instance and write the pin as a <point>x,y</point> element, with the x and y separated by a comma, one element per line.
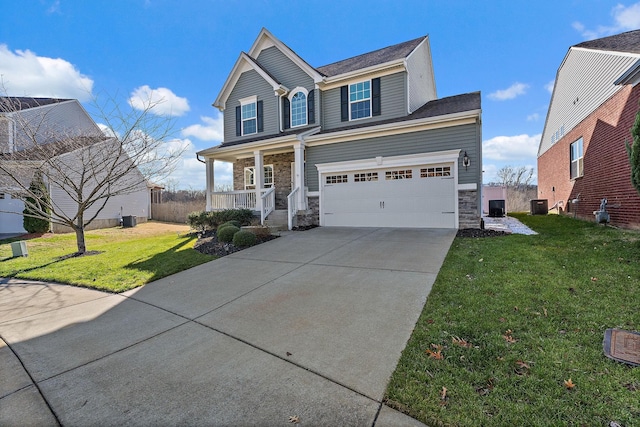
<point>79,229</point>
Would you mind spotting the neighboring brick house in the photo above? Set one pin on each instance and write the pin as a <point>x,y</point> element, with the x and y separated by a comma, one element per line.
<point>582,157</point>
<point>25,121</point>
<point>360,142</point>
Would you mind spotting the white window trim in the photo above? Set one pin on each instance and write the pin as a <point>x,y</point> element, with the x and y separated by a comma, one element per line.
<point>579,172</point>
<point>253,169</point>
<point>370,99</point>
<point>246,101</point>
<point>306,95</point>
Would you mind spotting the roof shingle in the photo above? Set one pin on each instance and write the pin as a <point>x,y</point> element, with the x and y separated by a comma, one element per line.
<point>380,56</point>
<point>628,42</point>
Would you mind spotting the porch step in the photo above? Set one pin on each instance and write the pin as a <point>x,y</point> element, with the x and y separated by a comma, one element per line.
<point>277,219</point>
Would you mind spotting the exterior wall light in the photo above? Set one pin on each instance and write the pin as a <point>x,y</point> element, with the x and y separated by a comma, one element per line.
<point>465,161</point>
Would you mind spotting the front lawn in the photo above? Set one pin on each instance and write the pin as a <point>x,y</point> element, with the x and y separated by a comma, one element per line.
<point>126,258</point>
<point>513,322</point>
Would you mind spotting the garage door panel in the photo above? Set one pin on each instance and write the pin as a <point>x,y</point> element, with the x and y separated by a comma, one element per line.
<point>407,201</point>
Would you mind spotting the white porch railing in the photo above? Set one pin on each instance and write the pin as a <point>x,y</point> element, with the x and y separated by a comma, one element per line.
<point>268,203</point>
<point>292,206</point>
<point>242,199</point>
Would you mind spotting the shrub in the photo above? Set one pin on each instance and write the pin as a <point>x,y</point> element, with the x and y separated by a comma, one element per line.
<point>243,216</point>
<point>37,211</point>
<point>226,233</point>
<point>244,238</point>
<point>198,220</point>
<point>232,222</point>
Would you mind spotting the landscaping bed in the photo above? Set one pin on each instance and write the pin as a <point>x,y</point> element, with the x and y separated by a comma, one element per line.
<point>209,244</point>
<point>478,232</point>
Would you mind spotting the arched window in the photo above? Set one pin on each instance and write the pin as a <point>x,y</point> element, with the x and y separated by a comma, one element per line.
<point>299,109</point>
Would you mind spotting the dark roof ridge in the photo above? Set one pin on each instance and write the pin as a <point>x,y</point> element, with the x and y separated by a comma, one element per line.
<point>628,41</point>
<point>378,56</point>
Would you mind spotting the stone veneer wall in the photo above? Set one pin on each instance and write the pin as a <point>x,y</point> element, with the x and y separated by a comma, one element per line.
<point>281,175</point>
<point>312,215</point>
<point>468,209</point>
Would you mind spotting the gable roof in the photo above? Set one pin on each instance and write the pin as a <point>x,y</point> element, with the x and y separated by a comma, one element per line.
<point>392,56</point>
<point>377,57</point>
<point>9,104</point>
<point>628,42</point>
<point>590,73</point>
<point>244,63</point>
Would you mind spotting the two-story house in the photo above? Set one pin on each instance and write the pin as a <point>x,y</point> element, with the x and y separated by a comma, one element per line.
<point>360,142</point>
<point>25,122</point>
<point>582,157</point>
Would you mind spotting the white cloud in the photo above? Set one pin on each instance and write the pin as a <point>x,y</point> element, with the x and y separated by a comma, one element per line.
<point>549,86</point>
<point>624,19</point>
<point>211,129</point>
<point>511,148</point>
<point>163,101</point>
<point>533,117</point>
<point>511,92</point>
<point>26,74</point>
<point>190,173</point>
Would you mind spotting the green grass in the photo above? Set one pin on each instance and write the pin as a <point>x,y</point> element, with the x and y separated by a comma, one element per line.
<point>128,258</point>
<point>557,292</point>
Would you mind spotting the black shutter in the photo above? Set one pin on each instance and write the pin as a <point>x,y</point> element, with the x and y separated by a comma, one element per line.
<point>344,104</point>
<point>375,97</point>
<point>238,121</point>
<point>286,113</point>
<point>311,107</point>
<point>259,116</point>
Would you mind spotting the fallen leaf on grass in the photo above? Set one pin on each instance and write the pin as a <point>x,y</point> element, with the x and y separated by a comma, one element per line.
<point>461,342</point>
<point>437,354</point>
<point>443,396</point>
<point>508,337</point>
<point>545,311</point>
<point>522,368</point>
<point>294,419</point>
<point>594,279</point>
<point>569,384</point>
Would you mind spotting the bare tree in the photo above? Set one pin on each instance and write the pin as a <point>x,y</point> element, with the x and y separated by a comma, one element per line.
<point>520,177</point>
<point>83,164</point>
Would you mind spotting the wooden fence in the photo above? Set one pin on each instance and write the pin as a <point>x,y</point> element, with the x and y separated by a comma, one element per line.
<point>175,211</point>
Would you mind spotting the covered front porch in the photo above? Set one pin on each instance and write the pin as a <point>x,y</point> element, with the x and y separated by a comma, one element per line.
<point>267,181</point>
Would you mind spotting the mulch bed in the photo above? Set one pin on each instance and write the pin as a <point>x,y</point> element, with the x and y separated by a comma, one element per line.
<point>477,232</point>
<point>208,244</point>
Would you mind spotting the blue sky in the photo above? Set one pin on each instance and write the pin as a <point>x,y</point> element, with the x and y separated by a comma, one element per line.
<point>184,50</point>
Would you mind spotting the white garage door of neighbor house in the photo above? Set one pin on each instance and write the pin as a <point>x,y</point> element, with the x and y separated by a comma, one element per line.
<point>413,196</point>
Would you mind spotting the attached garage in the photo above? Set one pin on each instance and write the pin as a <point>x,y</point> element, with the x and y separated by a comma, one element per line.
<point>415,191</point>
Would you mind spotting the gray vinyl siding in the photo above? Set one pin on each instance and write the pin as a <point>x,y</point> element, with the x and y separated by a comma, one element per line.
<point>393,102</point>
<point>465,138</point>
<point>52,122</point>
<point>584,81</point>
<point>251,83</point>
<point>134,199</point>
<point>283,69</point>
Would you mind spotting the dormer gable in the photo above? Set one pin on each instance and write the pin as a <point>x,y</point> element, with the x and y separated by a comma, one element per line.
<point>243,64</point>
<point>266,40</point>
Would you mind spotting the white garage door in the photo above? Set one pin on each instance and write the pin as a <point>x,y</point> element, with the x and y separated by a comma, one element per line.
<point>421,196</point>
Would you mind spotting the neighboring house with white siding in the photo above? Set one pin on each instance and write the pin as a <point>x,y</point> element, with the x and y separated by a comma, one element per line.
<point>50,122</point>
<point>582,157</point>
<point>360,142</point>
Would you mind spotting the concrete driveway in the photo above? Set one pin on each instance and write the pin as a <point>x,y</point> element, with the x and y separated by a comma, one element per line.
<point>310,325</point>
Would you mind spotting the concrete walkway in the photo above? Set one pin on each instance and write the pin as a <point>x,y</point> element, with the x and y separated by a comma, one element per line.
<point>310,325</point>
<point>508,224</point>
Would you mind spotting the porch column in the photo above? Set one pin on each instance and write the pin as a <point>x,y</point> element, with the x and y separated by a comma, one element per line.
<point>298,151</point>
<point>258,177</point>
<point>210,182</point>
